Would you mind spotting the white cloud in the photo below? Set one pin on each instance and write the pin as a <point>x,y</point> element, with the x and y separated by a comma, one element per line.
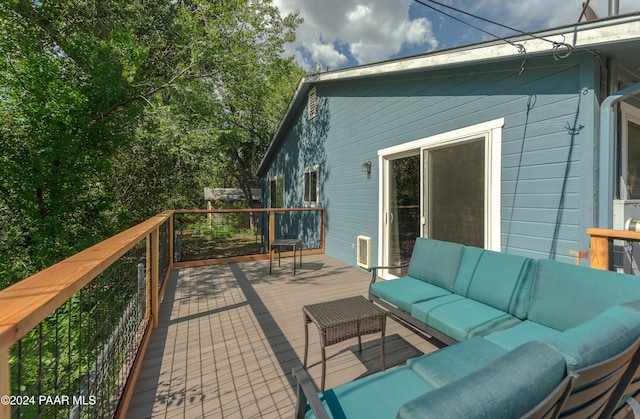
<point>368,30</point>
<point>327,55</point>
<point>336,33</point>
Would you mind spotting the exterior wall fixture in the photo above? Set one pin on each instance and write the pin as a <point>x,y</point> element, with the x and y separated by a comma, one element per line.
<point>366,167</point>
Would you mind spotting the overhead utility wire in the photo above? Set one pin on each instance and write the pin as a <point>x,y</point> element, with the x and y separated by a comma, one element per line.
<point>521,49</point>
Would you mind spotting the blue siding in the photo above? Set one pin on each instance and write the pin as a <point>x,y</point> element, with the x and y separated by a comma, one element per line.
<point>547,167</point>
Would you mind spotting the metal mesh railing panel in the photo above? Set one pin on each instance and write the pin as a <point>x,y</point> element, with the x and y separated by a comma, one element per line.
<point>77,361</point>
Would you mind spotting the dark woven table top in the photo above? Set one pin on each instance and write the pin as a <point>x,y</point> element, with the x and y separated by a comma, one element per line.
<point>345,310</point>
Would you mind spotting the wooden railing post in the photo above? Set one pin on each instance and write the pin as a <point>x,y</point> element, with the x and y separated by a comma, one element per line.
<point>5,383</point>
<point>600,252</point>
<point>272,226</point>
<point>155,265</point>
<point>601,246</point>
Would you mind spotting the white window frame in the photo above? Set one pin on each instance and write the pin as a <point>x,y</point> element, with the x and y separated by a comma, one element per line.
<point>271,194</point>
<point>628,114</point>
<point>308,203</point>
<point>492,131</point>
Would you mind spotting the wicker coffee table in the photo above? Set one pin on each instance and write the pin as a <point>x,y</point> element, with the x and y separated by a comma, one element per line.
<point>343,319</point>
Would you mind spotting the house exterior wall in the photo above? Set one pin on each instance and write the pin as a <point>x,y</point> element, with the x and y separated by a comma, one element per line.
<point>548,146</point>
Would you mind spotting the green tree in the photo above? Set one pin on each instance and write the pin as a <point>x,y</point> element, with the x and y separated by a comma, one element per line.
<point>106,112</point>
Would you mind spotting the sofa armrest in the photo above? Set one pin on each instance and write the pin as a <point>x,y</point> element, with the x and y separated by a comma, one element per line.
<point>374,270</point>
<point>307,392</point>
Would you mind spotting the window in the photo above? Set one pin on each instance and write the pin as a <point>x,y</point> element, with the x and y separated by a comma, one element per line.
<point>310,187</point>
<point>276,190</point>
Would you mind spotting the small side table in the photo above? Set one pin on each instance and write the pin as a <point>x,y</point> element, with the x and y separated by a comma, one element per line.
<point>343,319</point>
<point>296,244</point>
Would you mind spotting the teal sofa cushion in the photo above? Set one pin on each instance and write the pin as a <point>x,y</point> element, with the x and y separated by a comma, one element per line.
<point>456,361</point>
<point>462,318</point>
<point>379,395</point>
<point>521,333</point>
<point>436,262</point>
<point>403,292</point>
<point>601,337</point>
<point>503,281</point>
<point>506,388</point>
<point>565,295</point>
<point>468,266</point>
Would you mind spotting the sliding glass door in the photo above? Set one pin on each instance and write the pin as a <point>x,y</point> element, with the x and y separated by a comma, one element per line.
<point>402,209</point>
<point>454,187</point>
<point>445,187</point>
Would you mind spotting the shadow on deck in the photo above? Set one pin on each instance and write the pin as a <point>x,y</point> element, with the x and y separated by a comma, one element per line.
<point>229,335</point>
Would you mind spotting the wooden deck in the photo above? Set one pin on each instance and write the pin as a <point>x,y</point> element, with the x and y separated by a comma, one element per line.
<point>229,335</point>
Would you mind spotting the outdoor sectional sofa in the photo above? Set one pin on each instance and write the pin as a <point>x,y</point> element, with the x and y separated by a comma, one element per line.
<point>508,319</point>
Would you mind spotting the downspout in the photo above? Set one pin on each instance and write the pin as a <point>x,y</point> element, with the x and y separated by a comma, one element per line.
<point>614,7</point>
<point>604,219</point>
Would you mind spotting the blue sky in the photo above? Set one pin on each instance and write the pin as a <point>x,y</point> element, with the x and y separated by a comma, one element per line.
<point>344,33</point>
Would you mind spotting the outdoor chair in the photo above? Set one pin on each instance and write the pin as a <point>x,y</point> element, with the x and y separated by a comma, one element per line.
<point>551,407</point>
<point>598,388</point>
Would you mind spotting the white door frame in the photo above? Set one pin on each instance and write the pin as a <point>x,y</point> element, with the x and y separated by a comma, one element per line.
<point>492,130</point>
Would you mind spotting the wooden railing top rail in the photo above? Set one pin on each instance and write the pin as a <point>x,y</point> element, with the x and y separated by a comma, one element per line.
<point>28,302</point>
<point>614,234</point>
<point>204,211</point>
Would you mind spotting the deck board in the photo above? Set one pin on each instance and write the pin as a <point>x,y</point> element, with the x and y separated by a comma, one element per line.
<point>229,335</point>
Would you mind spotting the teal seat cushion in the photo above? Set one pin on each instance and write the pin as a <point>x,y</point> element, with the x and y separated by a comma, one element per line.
<point>521,333</point>
<point>456,361</point>
<point>436,262</point>
<point>503,281</point>
<point>600,338</point>
<point>506,388</point>
<point>462,318</point>
<point>403,292</point>
<point>376,396</point>
<point>567,295</point>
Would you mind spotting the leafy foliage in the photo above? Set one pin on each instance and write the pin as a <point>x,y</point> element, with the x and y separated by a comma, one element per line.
<point>114,110</point>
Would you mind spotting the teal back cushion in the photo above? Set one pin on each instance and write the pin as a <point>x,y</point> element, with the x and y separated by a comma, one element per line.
<point>468,266</point>
<point>503,281</point>
<point>507,388</point>
<point>566,295</point>
<point>455,361</point>
<point>436,262</point>
<point>601,337</point>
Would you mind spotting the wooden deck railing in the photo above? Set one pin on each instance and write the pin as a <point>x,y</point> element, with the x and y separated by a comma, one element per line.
<point>264,224</point>
<point>36,301</point>
<point>27,304</point>
<point>602,245</point>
